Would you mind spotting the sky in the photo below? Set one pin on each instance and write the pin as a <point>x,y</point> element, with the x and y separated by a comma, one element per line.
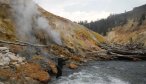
<point>90,10</point>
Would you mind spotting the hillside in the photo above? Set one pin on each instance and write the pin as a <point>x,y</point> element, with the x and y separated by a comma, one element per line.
<point>61,31</point>
<point>133,31</point>
<point>104,25</point>
<point>73,35</point>
<point>128,27</point>
<point>34,43</point>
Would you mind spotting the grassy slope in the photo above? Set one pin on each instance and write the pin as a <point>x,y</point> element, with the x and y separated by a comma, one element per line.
<point>74,35</point>
<point>7,29</point>
<point>129,32</point>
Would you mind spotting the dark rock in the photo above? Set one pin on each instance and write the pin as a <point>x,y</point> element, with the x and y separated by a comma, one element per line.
<point>61,63</point>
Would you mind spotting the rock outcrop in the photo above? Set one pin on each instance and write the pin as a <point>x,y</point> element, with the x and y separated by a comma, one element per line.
<point>7,57</point>
<point>15,67</point>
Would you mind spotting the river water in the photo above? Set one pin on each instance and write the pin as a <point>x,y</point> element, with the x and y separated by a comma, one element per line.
<point>106,72</point>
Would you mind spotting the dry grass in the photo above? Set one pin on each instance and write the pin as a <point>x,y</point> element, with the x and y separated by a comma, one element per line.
<point>7,29</point>
<point>34,71</point>
<point>72,34</point>
<point>130,31</point>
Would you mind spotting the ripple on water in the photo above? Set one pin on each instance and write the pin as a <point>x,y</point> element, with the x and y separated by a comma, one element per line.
<point>108,72</point>
<point>85,77</point>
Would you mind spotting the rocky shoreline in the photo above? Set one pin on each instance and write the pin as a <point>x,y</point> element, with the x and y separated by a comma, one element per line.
<point>18,70</point>
<point>37,70</point>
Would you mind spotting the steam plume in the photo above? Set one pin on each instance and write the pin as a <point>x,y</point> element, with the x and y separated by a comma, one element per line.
<point>27,17</point>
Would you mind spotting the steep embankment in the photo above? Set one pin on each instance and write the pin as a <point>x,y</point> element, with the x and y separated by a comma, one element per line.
<point>133,31</point>
<point>60,30</point>
<point>43,40</point>
<point>129,33</point>
<point>73,35</point>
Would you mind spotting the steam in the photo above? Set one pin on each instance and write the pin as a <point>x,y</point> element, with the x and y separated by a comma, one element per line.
<point>24,10</point>
<point>43,23</point>
<point>28,18</point>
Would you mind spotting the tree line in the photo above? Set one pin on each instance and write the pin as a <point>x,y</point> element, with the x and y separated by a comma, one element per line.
<point>105,25</point>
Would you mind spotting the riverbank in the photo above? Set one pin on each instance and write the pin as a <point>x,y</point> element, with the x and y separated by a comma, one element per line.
<point>41,70</point>
<point>106,72</point>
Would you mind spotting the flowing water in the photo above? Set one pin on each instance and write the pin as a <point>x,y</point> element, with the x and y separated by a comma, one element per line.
<point>106,72</point>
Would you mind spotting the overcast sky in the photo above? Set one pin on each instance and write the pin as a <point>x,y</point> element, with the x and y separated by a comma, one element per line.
<point>79,10</point>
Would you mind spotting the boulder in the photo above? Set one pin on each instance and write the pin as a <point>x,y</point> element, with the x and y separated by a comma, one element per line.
<point>6,57</point>
<point>4,60</point>
<point>73,66</point>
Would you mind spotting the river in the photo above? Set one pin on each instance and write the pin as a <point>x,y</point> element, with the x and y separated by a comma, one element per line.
<point>106,72</point>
